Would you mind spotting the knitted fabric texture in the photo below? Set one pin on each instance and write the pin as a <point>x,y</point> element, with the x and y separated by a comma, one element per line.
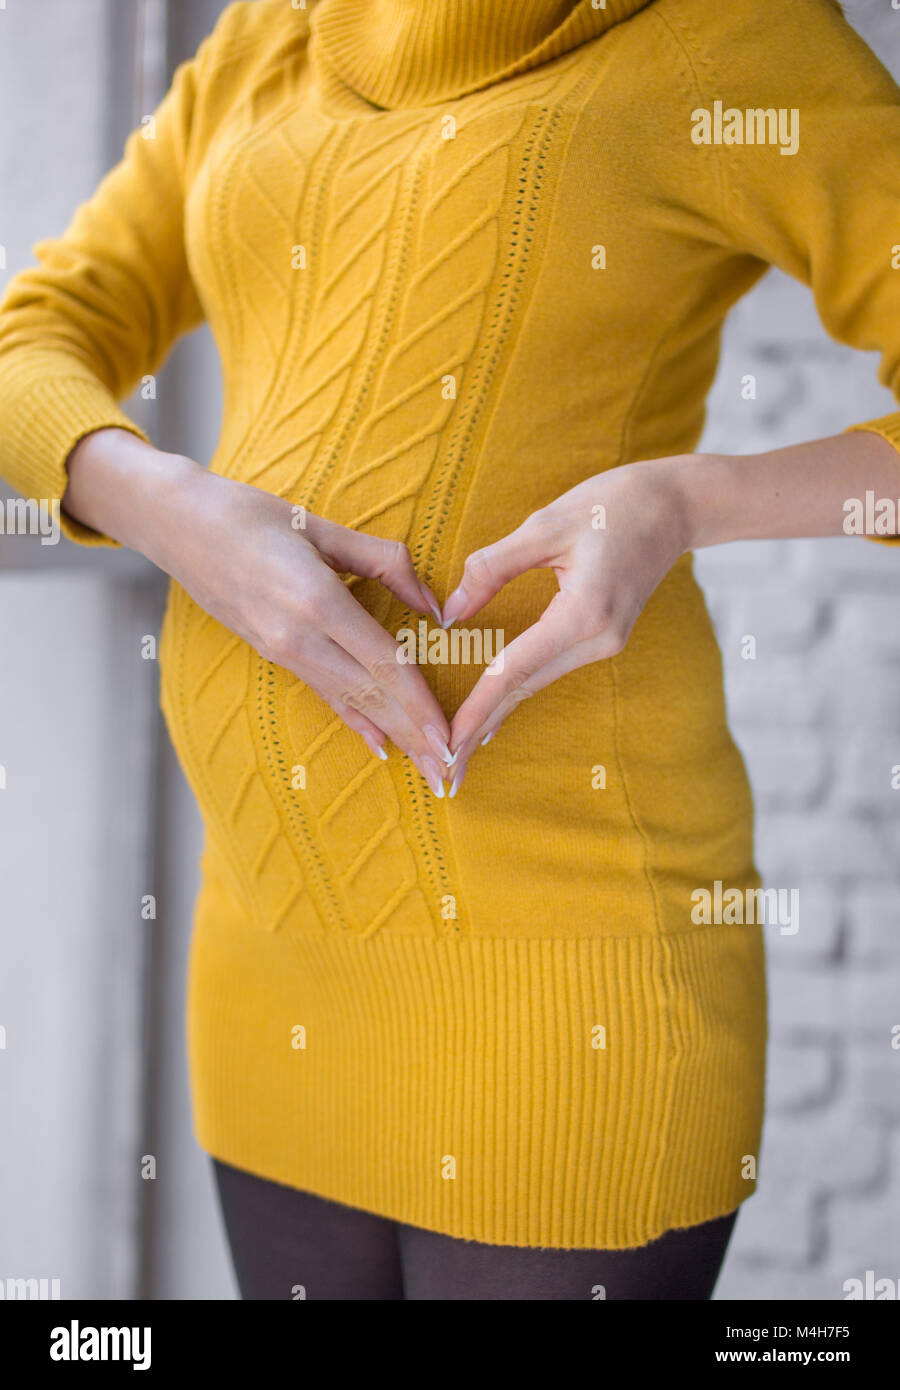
<point>456,258</point>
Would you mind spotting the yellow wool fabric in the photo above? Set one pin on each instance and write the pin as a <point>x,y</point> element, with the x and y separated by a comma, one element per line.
<point>457,258</point>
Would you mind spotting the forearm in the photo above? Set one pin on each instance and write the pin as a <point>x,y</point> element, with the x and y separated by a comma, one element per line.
<point>125,488</point>
<point>797,491</point>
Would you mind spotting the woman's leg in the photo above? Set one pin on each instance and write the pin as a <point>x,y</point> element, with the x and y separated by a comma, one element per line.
<point>290,1244</point>
<point>681,1265</point>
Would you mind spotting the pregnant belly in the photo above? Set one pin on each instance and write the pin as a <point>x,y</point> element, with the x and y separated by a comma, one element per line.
<point>601,804</point>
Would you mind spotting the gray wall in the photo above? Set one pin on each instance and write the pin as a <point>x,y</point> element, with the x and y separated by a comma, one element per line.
<point>96,813</point>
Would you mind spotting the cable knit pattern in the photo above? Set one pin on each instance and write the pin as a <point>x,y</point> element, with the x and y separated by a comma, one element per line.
<point>456,258</point>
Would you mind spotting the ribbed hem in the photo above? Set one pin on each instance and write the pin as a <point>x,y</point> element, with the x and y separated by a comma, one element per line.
<point>888,426</point>
<point>45,415</point>
<point>475,1057</point>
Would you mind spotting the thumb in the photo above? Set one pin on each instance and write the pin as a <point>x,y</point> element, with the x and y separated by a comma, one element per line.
<point>373,557</point>
<point>488,569</point>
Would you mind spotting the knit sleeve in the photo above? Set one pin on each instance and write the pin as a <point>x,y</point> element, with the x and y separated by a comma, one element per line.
<point>822,199</point>
<point>106,301</point>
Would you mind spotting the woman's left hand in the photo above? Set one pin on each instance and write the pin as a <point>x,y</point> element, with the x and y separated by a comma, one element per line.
<point>610,541</point>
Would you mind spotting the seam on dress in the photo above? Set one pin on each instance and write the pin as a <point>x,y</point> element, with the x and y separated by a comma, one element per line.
<point>693,58</point>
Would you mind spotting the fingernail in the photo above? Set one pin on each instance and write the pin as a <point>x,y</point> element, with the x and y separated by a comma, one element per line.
<point>375,746</point>
<point>452,759</point>
<point>454,606</point>
<point>433,776</point>
<point>457,781</point>
<point>438,744</point>
<point>431,604</point>
<point>487,738</point>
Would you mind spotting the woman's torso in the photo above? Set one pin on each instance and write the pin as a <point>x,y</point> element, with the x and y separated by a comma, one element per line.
<point>431,322</point>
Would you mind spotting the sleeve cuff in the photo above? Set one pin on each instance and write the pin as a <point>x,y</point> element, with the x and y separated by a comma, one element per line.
<point>888,426</point>
<point>43,425</point>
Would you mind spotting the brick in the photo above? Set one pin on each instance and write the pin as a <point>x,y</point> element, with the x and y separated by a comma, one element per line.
<point>746,1280</point>
<point>792,846</point>
<point>864,1225</point>
<point>863,698</point>
<point>873,1003</point>
<point>803,1003</point>
<point>873,1083</point>
<point>826,1151</point>
<point>863,772</point>
<point>781,620</point>
<point>787,773</point>
<point>818,939</point>
<point>780,691</point>
<point>873,924</point>
<point>800,1077</point>
<point>867,628</point>
<point>847,1003</point>
<point>848,564</point>
<point>738,562</point>
<point>777,1226</point>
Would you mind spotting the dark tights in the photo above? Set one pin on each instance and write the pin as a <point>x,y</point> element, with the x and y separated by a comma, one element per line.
<point>290,1244</point>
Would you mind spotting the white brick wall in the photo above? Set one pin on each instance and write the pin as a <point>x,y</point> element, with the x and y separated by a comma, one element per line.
<point>817,715</point>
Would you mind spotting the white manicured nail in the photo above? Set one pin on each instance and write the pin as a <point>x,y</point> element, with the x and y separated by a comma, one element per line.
<point>438,744</point>
<point>375,746</point>
<point>457,782</point>
<point>433,776</point>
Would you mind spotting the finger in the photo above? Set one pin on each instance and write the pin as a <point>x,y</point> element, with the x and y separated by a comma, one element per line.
<point>484,711</point>
<point>582,654</point>
<point>428,771</point>
<point>372,735</point>
<point>375,739</point>
<point>510,677</point>
<point>372,557</point>
<point>420,724</point>
<point>325,665</point>
<point>485,572</point>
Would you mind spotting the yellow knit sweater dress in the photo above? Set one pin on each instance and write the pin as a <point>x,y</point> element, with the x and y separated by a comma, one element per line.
<point>457,257</point>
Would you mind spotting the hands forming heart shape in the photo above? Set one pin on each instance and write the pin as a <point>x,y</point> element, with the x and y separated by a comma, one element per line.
<point>609,540</point>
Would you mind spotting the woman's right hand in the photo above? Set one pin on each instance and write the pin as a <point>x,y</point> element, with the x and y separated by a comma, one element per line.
<point>269,572</point>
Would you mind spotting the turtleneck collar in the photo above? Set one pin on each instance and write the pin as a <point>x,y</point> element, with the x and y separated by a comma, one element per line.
<point>406,53</point>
